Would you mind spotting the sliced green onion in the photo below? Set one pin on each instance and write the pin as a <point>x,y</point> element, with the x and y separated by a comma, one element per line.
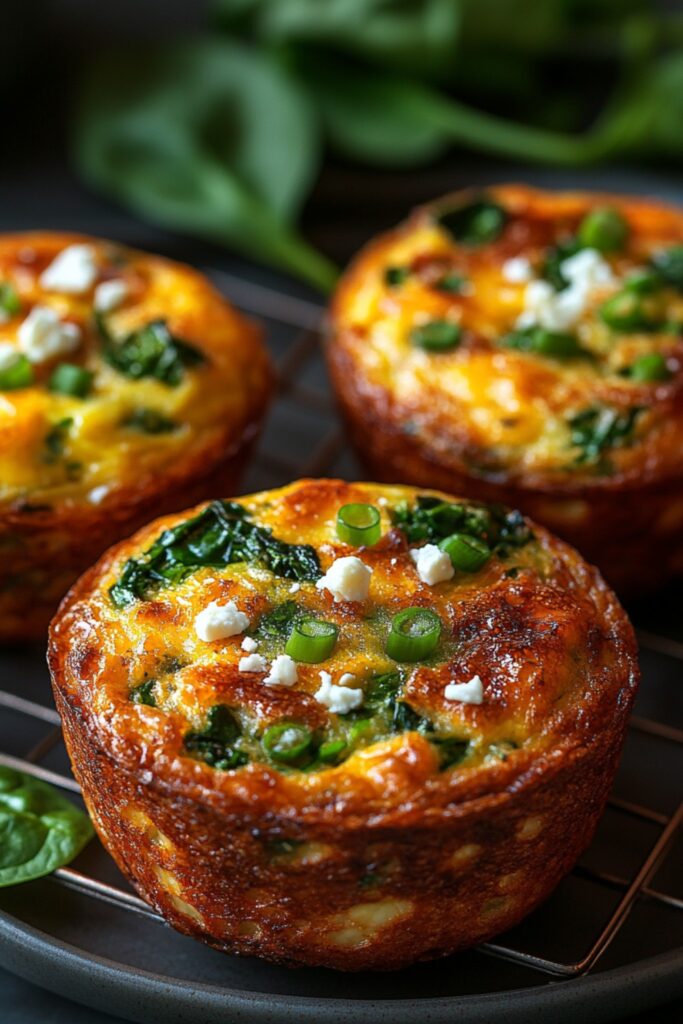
<point>286,741</point>
<point>604,229</point>
<point>359,524</point>
<point>68,379</point>
<point>19,374</point>
<point>436,336</point>
<point>669,264</point>
<point>414,634</point>
<point>331,751</point>
<point>311,640</point>
<point>627,311</point>
<point>474,222</point>
<point>466,553</point>
<point>10,303</point>
<point>394,276</point>
<point>644,282</point>
<point>542,342</point>
<point>451,282</point>
<point>650,367</point>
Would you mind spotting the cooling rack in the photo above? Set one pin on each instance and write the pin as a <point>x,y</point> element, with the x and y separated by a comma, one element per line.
<point>609,941</point>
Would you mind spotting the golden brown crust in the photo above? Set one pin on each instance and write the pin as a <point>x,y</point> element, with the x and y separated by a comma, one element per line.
<point>53,526</point>
<point>629,520</point>
<point>353,866</point>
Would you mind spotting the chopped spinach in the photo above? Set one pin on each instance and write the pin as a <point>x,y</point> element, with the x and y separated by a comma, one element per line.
<point>150,351</point>
<point>221,534</point>
<point>40,830</point>
<point>551,268</point>
<point>669,265</point>
<point>395,276</point>
<point>10,303</point>
<point>474,222</point>
<point>149,421</point>
<point>599,428</point>
<point>218,743</point>
<point>56,438</point>
<point>144,693</point>
<point>432,519</point>
<point>277,623</point>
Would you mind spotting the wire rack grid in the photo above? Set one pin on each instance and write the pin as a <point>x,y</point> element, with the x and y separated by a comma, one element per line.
<point>318,448</point>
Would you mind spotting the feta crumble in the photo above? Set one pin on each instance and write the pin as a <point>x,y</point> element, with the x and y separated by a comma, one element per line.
<point>466,693</point>
<point>253,663</point>
<point>249,644</point>
<point>42,335</point>
<point>218,621</point>
<point>518,270</point>
<point>73,271</point>
<point>8,354</point>
<point>339,699</point>
<point>110,294</point>
<point>558,311</point>
<point>282,672</point>
<point>347,579</point>
<point>295,587</point>
<point>433,565</point>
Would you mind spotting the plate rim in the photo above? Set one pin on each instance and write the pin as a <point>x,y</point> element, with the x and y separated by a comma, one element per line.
<point>600,997</point>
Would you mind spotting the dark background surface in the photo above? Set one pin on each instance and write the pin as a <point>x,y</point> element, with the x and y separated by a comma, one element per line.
<point>38,190</point>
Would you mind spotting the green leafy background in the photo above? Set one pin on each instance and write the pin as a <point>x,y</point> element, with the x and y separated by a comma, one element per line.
<point>223,135</point>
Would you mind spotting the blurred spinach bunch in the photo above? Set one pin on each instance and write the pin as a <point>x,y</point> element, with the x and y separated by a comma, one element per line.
<point>223,135</point>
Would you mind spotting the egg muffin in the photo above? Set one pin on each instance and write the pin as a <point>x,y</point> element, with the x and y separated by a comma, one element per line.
<point>526,347</point>
<point>344,725</point>
<point>128,388</point>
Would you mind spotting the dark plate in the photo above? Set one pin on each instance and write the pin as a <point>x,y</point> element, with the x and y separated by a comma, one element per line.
<point>608,942</point>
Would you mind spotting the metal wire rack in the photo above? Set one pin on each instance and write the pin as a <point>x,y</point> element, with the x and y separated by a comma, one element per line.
<point>319,449</point>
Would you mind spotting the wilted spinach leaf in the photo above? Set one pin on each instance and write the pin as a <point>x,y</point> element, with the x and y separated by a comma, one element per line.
<point>221,534</point>
<point>599,428</point>
<point>432,519</point>
<point>218,742</point>
<point>150,351</point>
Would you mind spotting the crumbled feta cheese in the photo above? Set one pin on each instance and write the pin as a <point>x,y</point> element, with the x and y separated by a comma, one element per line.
<point>98,494</point>
<point>518,270</point>
<point>558,311</point>
<point>433,565</point>
<point>253,663</point>
<point>466,693</point>
<point>73,271</point>
<point>282,672</point>
<point>110,294</point>
<point>339,699</point>
<point>218,621</point>
<point>347,679</point>
<point>8,354</point>
<point>347,579</point>
<point>295,587</point>
<point>249,644</point>
<point>42,335</point>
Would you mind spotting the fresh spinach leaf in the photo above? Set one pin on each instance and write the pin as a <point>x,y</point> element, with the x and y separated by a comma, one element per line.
<point>40,830</point>
<point>218,743</point>
<point>210,137</point>
<point>150,351</point>
<point>222,534</point>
